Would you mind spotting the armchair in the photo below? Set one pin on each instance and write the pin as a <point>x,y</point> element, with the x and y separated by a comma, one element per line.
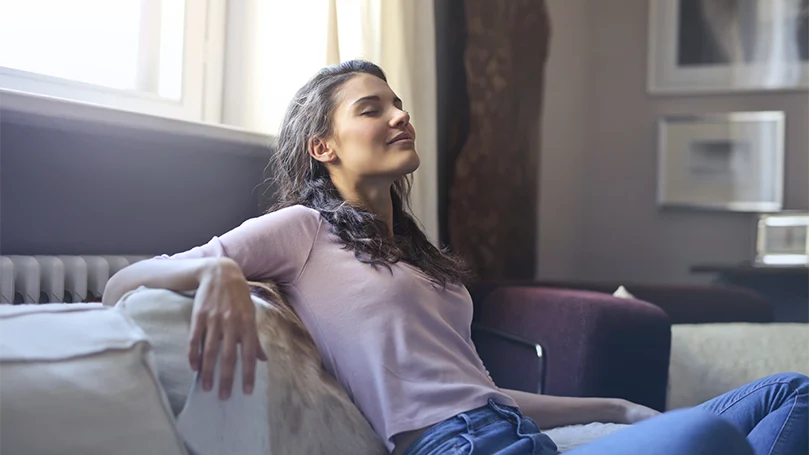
<point>689,303</point>
<point>573,343</point>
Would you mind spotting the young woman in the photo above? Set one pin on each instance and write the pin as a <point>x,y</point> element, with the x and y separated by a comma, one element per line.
<point>388,311</point>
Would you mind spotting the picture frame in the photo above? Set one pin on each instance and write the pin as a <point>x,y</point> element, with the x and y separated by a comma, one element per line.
<point>783,239</point>
<point>698,46</point>
<point>727,161</point>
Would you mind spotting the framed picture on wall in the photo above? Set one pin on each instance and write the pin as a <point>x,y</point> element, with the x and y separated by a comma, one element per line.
<point>731,161</point>
<point>783,239</point>
<point>728,45</point>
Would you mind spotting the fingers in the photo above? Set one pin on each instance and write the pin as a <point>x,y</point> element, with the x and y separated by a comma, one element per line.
<point>210,351</point>
<point>250,346</point>
<point>197,332</point>
<point>227,366</point>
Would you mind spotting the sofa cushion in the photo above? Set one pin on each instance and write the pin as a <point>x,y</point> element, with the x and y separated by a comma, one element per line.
<point>708,360</point>
<point>165,316</point>
<point>569,437</point>
<point>296,407</point>
<point>80,378</point>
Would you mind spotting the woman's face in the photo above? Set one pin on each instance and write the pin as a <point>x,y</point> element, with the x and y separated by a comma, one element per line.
<point>372,137</point>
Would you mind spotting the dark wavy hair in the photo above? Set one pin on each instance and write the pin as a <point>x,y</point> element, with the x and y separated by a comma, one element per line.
<point>302,180</point>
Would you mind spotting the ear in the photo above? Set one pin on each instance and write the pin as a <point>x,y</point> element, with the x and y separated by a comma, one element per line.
<point>322,150</point>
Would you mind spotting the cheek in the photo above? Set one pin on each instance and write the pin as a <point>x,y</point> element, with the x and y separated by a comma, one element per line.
<point>366,137</point>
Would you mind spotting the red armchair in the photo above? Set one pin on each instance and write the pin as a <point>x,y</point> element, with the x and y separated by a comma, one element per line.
<point>573,343</point>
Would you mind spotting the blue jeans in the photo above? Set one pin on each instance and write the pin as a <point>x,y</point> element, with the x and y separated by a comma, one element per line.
<point>768,416</point>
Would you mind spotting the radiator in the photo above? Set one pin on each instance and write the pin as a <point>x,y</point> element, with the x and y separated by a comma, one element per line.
<point>51,279</point>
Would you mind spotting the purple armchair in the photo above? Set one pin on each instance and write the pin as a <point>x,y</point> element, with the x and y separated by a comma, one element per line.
<point>689,304</point>
<point>573,343</point>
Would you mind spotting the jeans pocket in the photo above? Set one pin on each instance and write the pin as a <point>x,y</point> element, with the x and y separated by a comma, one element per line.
<point>511,414</point>
<point>462,447</point>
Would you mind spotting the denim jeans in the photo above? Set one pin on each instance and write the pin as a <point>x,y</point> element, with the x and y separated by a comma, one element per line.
<point>768,416</point>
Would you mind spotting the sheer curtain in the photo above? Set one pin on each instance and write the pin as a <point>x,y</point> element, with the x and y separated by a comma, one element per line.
<point>273,47</point>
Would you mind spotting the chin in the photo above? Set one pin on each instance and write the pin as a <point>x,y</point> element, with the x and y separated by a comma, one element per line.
<point>412,164</point>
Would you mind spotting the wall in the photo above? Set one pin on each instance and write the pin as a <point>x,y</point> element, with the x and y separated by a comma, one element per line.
<point>83,180</point>
<point>561,179</point>
<point>600,221</point>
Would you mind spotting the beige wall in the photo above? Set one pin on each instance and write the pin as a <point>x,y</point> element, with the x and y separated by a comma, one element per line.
<point>598,215</point>
<point>562,166</point>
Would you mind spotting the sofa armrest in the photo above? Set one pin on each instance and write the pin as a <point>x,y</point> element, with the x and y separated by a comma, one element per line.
<point>503,349</point>
<point>690,303</point>
<point>595,344</point>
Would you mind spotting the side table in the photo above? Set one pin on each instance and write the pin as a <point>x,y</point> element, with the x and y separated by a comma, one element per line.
<point>786,286</point>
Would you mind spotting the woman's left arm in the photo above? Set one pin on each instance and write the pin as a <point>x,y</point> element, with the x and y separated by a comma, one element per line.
<point>552,412</point>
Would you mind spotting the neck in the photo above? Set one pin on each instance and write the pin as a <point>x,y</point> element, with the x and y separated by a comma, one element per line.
<point>374,198</point>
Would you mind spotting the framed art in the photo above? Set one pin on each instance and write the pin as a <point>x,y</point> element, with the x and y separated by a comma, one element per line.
<point>732,161</point>
<point>727,45</point>
<point>783,239</point>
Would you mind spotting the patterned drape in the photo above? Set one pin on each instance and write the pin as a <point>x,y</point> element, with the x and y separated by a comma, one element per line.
<point>492,210</point>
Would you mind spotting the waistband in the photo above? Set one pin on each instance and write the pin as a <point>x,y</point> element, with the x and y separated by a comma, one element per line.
<point>471,421</point>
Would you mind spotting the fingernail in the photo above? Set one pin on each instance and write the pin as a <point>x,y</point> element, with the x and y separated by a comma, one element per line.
<point>206,385</point>
<point>248,389</point>
<point>224,394</point>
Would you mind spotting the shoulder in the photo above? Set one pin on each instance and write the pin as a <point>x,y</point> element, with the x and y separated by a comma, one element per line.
<point>298,213</point>
<point>295,220</point>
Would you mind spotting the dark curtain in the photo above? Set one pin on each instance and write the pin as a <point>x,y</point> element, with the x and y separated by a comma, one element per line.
<point>491,58</point>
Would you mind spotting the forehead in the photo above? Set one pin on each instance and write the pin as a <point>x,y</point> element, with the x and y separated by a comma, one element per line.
<point>363,85</point>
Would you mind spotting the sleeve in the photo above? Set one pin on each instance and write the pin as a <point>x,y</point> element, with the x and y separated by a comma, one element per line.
<point>274,246</point>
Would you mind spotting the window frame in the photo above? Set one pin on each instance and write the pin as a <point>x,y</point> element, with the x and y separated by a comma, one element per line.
<point>203,47</point>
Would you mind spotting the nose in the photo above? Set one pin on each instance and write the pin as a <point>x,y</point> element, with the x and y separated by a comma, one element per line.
<point>401,119</point>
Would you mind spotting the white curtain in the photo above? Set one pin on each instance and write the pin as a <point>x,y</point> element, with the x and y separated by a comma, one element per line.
<point>273,47</point>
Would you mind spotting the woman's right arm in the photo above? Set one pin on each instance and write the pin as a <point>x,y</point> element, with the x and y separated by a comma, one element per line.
<point>176,274</point>
<point>271,247</point>
<point>223,312</point>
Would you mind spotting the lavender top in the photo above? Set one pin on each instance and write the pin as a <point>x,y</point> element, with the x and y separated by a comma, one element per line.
<point>400,345</point>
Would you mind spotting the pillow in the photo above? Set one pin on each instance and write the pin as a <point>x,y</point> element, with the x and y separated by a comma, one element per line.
<point>297,407</point>
<point>572,436</point>
<point>622,293</point>
<point>165,316</point>
<point>80,379</point>
<point>708,360</point>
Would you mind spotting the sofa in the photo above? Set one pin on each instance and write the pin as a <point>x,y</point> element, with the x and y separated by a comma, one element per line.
<point>594,343</point>
<point>542,339</point>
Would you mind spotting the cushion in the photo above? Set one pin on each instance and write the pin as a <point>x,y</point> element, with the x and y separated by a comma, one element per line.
<point>165,316</point>
<point>80,379</point>
<point>569,437</point>
<point>708,360</point>
<point>622,293</point>
<point>297,407</point>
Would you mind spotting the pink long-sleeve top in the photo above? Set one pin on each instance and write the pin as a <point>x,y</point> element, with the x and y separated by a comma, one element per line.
<point>399,344</point>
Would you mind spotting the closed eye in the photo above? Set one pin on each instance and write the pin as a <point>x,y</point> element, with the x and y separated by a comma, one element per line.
<point>370,113</point>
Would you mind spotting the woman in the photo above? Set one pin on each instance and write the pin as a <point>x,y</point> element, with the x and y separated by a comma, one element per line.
<point>388,311</point>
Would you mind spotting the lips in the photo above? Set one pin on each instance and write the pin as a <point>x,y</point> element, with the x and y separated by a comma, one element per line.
<point>401,137</point>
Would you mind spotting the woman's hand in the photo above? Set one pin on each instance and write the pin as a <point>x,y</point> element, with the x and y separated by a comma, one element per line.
<point>634,413</point>
<point>224,313</point>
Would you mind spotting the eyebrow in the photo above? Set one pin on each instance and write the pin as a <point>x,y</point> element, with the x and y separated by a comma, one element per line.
<point>376,98</point>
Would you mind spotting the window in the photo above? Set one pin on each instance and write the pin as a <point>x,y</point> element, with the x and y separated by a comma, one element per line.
<point>140,55</point>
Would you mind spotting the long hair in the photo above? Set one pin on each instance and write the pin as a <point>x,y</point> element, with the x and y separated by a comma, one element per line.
<point>302,180</point>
